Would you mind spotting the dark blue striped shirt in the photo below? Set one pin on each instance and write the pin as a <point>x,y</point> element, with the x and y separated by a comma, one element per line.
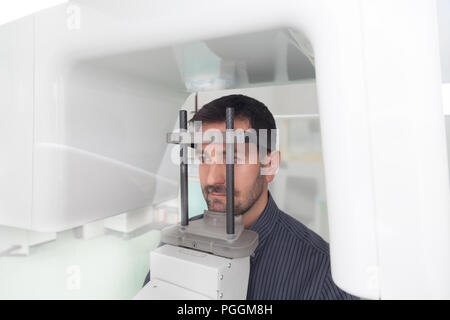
<point>291,262</point>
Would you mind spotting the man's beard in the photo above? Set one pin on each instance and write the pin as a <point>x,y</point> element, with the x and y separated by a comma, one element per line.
<point>242,202</point>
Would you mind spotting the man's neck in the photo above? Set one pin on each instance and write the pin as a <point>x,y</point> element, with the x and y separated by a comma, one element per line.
<point>249,217</point>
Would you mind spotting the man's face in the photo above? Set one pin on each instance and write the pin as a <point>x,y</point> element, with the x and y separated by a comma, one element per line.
<point>249,183</point>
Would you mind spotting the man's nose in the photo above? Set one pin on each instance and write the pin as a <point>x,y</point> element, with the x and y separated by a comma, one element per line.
<point>216,174</point>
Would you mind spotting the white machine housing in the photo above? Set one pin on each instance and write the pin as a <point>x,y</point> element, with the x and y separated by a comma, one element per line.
<point>184,274</point>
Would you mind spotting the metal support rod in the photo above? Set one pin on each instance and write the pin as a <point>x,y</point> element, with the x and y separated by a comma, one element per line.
<point>196,102</point>
<point>230,170</point>
<point>184,172</point>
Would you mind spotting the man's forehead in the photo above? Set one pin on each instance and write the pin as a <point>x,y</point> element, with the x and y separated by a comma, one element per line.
<point>243,124</point>
<point>239,123</point>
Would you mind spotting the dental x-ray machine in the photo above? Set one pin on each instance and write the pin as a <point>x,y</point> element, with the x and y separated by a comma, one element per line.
<point>217,263</point>
<point>88,91</point>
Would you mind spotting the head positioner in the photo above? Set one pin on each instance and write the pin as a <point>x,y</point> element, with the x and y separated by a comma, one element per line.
<point>220,234</point>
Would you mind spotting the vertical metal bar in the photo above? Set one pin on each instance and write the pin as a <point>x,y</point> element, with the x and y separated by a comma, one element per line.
<point>196,102</point>
<point>230,170</point>
<point>184,172</point>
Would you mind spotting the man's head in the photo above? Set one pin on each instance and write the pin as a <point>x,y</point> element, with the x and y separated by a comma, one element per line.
<point>250,183</point>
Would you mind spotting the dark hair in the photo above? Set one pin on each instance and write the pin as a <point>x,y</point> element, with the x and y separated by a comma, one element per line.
<point>245,107</point>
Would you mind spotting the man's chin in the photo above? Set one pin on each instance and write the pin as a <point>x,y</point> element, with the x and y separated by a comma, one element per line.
<point>214,205</point>
<point>220,207</point>
<point>217,208</point>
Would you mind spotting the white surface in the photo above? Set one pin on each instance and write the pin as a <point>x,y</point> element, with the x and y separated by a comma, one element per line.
<point>130,221</point>
<point>91,230</point>
<point>384,150</point>
<point>89,133</point>
<point>16,122</point>
<point>446,98</point>
<point>14,9</point>
<point>443,11</point>
<point>162,290</point>
<point>204,274</point>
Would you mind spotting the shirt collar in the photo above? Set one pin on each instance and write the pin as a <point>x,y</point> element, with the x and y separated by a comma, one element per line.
<point>266,221</point>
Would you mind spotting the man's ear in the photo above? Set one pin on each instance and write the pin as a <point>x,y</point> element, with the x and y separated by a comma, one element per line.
<point>271,166</point>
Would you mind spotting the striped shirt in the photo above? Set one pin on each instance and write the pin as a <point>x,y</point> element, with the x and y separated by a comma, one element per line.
<point>291,262</point>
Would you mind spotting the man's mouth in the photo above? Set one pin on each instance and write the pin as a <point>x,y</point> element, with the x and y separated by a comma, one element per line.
<point>215,194</point>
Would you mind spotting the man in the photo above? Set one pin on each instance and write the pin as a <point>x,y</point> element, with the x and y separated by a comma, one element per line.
<point>291,261</point>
